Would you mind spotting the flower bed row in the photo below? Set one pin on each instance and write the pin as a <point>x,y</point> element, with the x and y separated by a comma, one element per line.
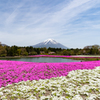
<point>16,71</point>
<point>85,58</point>
<point>77,85</point>
<point>61,56</point>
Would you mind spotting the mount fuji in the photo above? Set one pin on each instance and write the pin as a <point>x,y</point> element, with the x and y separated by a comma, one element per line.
<point>49,43</point>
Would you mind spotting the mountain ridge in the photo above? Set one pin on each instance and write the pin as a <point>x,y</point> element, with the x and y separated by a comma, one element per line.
<point>49,43</point>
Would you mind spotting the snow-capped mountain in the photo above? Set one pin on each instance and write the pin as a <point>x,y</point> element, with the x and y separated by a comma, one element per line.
<point>49,43</point>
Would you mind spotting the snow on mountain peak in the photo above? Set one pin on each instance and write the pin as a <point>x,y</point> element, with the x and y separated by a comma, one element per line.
<point>50,41</point>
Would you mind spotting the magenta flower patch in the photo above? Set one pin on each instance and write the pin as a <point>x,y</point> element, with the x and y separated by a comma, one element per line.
<point>16,71</point>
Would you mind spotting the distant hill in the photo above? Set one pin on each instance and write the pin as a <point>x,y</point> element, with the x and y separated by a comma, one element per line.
<point>49,43</point>
<point>3,44</point>
<point>92,46</point>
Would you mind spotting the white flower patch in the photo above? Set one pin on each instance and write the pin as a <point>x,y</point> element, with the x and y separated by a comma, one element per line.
<point>9,85</point>
<point>45,97</point>
<point>3,98</point>
<point>23,88</point>
<point>28,95</point>
<point>77,97</point>
<point>62,98</point>
<point>55,98</point>
<point>75,84</point>
<point>1,88</point>
<point>15,92</point>
<point>14,95</point>
<point>1,93</point>
<point>43,91</point>
<point>92,97</point>
<point>84,88</point>
<point>18,99</point>
<point>6,91</point>
<point>99,96</point>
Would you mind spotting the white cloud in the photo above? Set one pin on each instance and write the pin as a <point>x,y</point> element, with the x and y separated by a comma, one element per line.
<point>31,22</point>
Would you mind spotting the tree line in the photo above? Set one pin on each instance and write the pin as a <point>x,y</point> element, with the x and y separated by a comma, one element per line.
<point>29,50</point>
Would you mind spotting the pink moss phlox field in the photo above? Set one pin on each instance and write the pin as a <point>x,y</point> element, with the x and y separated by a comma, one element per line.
<point>60,56</point>
<point>16,71</point>
<point>48,56</point>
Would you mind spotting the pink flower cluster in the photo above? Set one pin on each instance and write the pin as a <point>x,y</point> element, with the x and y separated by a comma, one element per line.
<point>48,56</point>
<point>60,56</point>
<point>16,71</point>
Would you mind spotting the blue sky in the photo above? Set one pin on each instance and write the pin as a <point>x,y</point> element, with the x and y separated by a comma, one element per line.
<point>73,23</point>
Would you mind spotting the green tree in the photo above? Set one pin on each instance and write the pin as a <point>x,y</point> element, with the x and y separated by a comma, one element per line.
<point>65,52</point>
<point>18,52</point>
<point>24,52</point>
<point>3,51</point>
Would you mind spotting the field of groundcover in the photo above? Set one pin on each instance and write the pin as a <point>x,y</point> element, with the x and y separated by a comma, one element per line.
<point>49,81</point>
<point>75,57</point>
